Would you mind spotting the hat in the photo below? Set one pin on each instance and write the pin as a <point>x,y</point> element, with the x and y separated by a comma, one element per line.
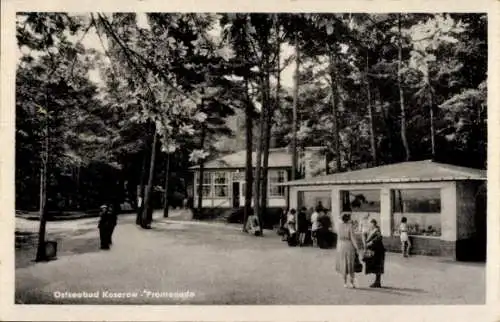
<point>104,206</point>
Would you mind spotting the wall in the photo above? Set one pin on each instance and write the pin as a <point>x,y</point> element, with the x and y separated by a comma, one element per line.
<point>466,209</point>
<point>429,246</point>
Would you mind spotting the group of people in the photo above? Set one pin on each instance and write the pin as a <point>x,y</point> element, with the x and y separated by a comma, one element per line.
<point>350,256</point>
<point>296,226</point>
<point>107,224</point>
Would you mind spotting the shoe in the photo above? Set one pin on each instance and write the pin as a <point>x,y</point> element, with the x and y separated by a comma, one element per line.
<point>375,285</point>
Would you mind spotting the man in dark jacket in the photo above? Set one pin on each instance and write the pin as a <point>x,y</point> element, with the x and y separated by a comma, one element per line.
<point>107,224</point>
<point>104,227</point>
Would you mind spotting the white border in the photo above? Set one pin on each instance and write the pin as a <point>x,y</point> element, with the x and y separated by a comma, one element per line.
<point>8,311</point>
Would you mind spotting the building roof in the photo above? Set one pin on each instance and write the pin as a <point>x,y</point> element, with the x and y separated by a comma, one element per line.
<point>278,158</point>
<point>414,171</point>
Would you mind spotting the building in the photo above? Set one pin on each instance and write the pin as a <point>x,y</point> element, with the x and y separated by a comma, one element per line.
<point>224,178</point>
<point>445,205</point>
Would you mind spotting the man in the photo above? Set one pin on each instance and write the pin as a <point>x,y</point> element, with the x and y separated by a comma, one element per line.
<point>103,226</point>
<point>253,225</point>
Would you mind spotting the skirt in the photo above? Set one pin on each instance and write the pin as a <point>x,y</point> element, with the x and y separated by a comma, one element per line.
<point>375,264</point>
<point>345,258</point>
<point>404,237</point>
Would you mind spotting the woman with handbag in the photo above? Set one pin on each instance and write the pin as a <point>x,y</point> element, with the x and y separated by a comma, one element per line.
<point>374,254</point>
<point>347,262</point>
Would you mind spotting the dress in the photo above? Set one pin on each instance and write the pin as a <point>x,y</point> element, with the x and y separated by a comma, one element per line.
<point>303,225</point>
<point>346,253</point>
<point>403,231</point>
<point>291,224</point>
<point>375,264</point>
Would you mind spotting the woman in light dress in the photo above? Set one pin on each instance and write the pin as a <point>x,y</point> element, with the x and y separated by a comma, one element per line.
<point>347,250</point>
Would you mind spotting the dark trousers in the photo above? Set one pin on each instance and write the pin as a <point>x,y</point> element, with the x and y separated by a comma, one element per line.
<point>105,234</point>
<point>105,237</point>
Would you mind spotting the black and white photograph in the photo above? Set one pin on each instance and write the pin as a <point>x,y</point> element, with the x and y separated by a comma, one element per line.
<point>250,158</point>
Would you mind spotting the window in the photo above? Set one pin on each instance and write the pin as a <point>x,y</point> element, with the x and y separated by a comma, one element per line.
<point>422,209</point>
<point>359,218</point>
<point>221,185</point>
<point>311,199</point>
<point>361,200</point>
<point>274,178</point>
<point>207,184</point>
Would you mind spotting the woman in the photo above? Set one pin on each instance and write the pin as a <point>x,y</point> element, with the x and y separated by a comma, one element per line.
<point>347,250</point>
<point>375,247</point>
<point>315,226</point>
<point>283,220</point>
<point>303,225</point>
<point>292,232</point>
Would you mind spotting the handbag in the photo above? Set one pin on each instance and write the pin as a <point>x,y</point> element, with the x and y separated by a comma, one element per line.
<point>358,267</point>
<point>368,254</point>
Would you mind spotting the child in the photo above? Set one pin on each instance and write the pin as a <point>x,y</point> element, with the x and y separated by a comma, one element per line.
<point>405,240</point>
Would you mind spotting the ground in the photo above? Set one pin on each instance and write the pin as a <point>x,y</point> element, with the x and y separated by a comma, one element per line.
<point>219,264</point>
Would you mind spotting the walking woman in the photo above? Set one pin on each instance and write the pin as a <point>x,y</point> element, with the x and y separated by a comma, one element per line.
<point>374,254</point>
<point>347,250</point>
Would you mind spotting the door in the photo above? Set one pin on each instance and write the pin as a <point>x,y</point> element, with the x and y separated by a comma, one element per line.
<point>236,194</point>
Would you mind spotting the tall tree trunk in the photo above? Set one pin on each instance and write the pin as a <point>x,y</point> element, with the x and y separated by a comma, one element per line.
<point>387,125</point>
<point>40,253</point>
<point>370,116</point>
<point>258,165</point>
<point>267,137</point>
<point>294,110</point>
<point>433,134</point>
<point>249,150</point>
<point>433,139</point>
<point>201,172</point>
<point>140,195</point>
<point>401,94</point>
<point>334,101</point>
<point>77,199</point>
<point>147,212</point>
<point>167,182</point>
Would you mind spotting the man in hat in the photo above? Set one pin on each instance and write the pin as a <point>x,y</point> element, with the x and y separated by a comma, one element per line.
<point>104,227</point>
